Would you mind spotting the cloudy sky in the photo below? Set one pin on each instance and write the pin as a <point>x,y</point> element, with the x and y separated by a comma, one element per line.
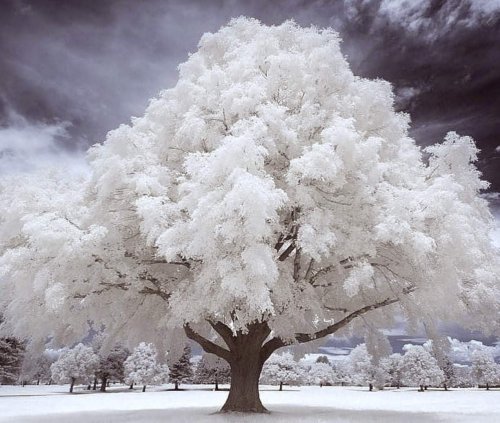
<point>72,70</point>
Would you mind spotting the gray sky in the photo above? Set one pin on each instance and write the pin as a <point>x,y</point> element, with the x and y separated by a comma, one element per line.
<point>79,68</point>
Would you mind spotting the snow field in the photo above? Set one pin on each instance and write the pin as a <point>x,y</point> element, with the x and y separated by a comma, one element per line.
<point>200,403</point>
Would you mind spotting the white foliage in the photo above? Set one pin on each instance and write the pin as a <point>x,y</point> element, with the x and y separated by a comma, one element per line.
<point>282,368</point>
<point>420,368</point>
<point>79,364</point>
<point>142,368</point>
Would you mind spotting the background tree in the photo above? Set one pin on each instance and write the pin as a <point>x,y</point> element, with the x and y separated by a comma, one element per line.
<point>270,198</point>
<point>142,368</point>
<point>78,364</point>
<point>484,370</point>
<point>393,369</point>
<point>362,370</point>
<point>420,368</point>
<point>321,374</point>
<point>212,369</point>
<point>111,366</point>
<point>182,370</point>
<point>36,367</point>
<point>323,359</point>
<point>11,357</point>
<point>282,369</point>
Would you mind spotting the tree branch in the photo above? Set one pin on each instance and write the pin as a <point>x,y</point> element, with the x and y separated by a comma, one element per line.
<point>224,331</point>
<point>275,343</point>
<point>207,345</point>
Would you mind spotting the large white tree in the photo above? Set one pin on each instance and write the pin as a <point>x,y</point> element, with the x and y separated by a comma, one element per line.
<point>270,198</point>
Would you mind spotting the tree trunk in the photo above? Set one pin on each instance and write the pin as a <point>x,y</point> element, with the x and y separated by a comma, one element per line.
<point>370,386</point>
<point>131,386</point>
<point>421,388</point>
<point>445,387</point>
<point>281,386</point>
<point>144,388</point>
<point>243,395</point>
<point>72,385</point>
<point>216,384</point>
<point>487,386</point>
<point>176,385</point>
<point>95,384</point>
<point>103,384</point>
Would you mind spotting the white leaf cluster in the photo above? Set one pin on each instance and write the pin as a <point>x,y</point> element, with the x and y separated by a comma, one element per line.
<point>142,367</point>
<point>79,364</point>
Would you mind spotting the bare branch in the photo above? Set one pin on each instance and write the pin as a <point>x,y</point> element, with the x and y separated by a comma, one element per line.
<point>224,331</point>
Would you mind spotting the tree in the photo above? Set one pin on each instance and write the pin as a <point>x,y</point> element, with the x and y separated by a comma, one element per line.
<point>281,369</point>
<point>393,368</point>
<point>36,367</point>
<point>323,359</point>
<point>111,366</point>
<point>270,198</point>
<point>141,367</point>
<point>78,364</point>
<point>362,370</point>
<point>420,368</point>
<point>484,369</point>
<point>11,357</point>
<point>212,369</point>
<point>321,374</point>
<point>181,370</point>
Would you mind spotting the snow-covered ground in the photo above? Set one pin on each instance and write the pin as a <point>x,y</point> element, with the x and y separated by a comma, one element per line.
<point>199,404</point>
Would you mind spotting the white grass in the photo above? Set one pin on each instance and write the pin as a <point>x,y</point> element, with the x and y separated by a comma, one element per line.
<point>53,404</point>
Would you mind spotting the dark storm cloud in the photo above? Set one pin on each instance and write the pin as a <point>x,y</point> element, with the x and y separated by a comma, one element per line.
<point>96,63</point>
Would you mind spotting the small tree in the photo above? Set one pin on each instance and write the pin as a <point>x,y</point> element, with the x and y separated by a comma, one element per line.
<point>142,368</point>
<point>321,374</point>
<point>11,356</point>
<point>181,370</point>
<point>78,364</point>
<point>212,369</point>
<point>323,359</point>
<point>363,372</point>
<point>393,369</point>
<point>484,369</point>
<point>111,366</point>
<point>36,368</point>
<point>281,369</point>
<point>420,368</point>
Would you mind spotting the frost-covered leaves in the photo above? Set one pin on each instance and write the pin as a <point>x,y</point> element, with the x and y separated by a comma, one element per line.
<point>269,184</point>
<point>79,364</point>
<point>142,366</point>
<point>282,369</point>
<point>420,368</point>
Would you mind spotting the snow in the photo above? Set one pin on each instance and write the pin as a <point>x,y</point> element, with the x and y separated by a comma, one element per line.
<point>199,403</point>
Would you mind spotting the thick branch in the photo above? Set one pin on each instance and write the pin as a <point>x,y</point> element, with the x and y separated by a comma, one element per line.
<point>224,331</point>
<point>275,343</point>
<point>207,345</point>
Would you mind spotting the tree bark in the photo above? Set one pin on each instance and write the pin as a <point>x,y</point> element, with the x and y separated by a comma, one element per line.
<point>281,386</point>
<point>144,388</point>
<point>72,385</point>
<point>216,385</point>
<point>131,386</point>
<point>103,384</point>
<point>244,391</point>
<point>95,384</point>
<point>176,385</point>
